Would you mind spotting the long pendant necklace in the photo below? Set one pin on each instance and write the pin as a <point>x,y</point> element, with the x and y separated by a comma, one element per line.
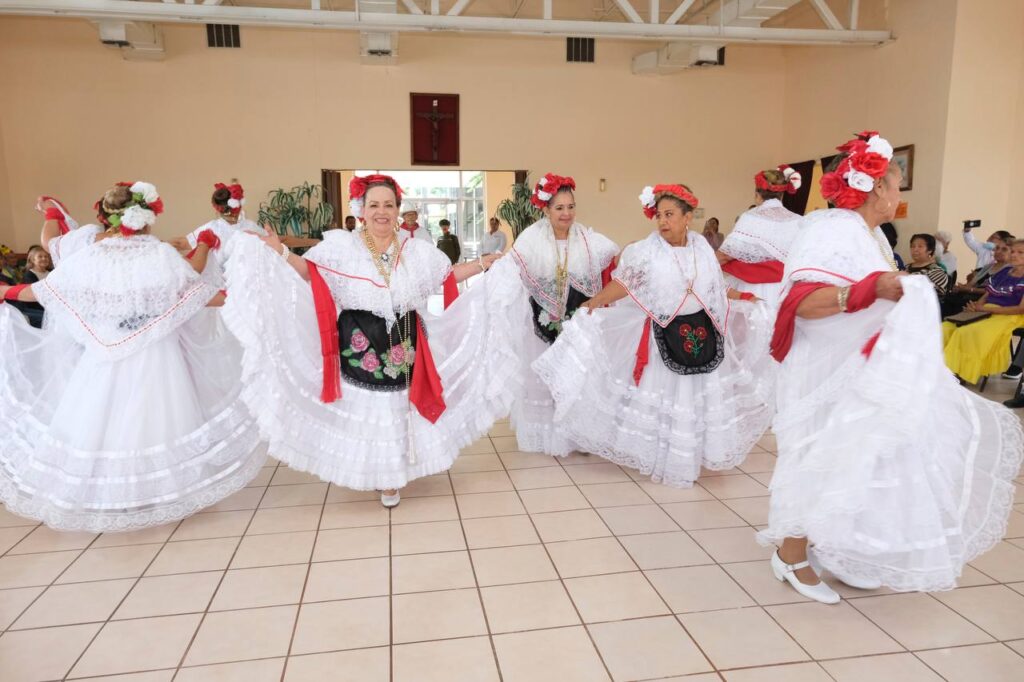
<point>561,272</point>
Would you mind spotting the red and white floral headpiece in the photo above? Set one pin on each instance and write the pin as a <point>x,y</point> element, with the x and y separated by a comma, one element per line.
<point>793,181</point>
<point>237,200</point>
<point>547,187</point>
<point>357,191</point>
<point>650,196</point>
<point>140,212</point>
<point>867,159</point>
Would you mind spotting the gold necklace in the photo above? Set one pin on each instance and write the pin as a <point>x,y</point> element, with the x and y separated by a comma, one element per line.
<point>561,271</point>
<point>381,260</point>
<point>885,254</point>
<point>686,280</point>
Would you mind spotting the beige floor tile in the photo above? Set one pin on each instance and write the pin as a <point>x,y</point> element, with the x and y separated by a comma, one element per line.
<point>213,525</point>
<point>647,648</point>
<point>9,520</point>
<point>757,579</point>
<point>73,604</point>
<point>544,500</point>
<point>453,660</point>
<point>246,498</point>
<point>285,475</point>
<point>539,477</point>
<point>581,458</point>
<point>247,588</point>
<point>351,543</point>
<point>480,447</point>
<point>896,667</point>
<point>267,670</point>
<point>728,487</point>
<point>1017,646</point>
<point>726,545</point>
<point>333,580</point>
<point>14,601</point>
<point>337,625</point>
<point>420,538</point>
<point>263,478</point>
<point>29,570</point>
<point>147,536</point>
<point>833,631</point>
<point>526,460</point>
<point>288,519</point>
<point>793,672</point>
<point>768,443</point>
<point>337,494</point>
<point>578,558</point>
<point>20,652</point>
<point>43,539</point>
<point>428,486</point>
<point>698,588</point>
<point>764,479</point>
<point>665,550</point>
<point>997,609</point>
<point>484,505</point>
<point>437,615</point>
<point>702,515</point>
<point>615,494</point>
<point>758,462</point>
<point>227,636</point>
<point>467,464</point>
<point>560,655</point>
<point>570,525</point>
<point>169,595</point>
<point>753,510</point>
<point>296,495</point>
<point>1004,562</point>
<point>742,638</point>
<point>112,563</point>
<point>615,597</point>
<point>1015,528</point>
<point>972,577</point>
<point>663,494</point>
<point>507,565</point>
<point>917,621</point>
<point>648,518</point>
<point>151,676</point>
<point>597,473</point>
<point>988,662</point>
<point>364,665</point>
<point>423,572</point>
<point>500,531</point>
<point>504,444</point>
<point>501,428</point>
<point>274,550</point>
<point>193,556</point>
<point>530,606</point>
<point>355,514</point>
<point>425,509</point>
<point>126,646</point>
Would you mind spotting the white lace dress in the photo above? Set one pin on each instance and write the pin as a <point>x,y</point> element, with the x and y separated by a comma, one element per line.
<point>372,438</point>
<point>893,471</point>
<point>529,268</point>
<point>762,235</point>
<point>63,246</point>
<point>674,421</point>
<point>225,231</point>
<point>125,412</point>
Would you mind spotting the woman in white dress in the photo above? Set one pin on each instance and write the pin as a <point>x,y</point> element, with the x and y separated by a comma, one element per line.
<point>337,361</point>
<point>125,412</point>
<point>555,265</point>
<point>893,474</point>
<point>753,253</point>
<point>677,376</point>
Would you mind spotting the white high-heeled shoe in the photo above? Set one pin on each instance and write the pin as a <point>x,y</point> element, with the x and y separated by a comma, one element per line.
<point>851,582</point>
<point>787,573</point>
<point>390,501</point>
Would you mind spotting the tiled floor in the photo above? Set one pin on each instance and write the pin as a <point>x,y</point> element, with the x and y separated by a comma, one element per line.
<point>513,567</point>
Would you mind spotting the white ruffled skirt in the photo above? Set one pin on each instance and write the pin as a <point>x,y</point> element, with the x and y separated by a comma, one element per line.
<point>670,425</point>
<point>893,471</point>
<point>366,440</point>
<point>115,445</point>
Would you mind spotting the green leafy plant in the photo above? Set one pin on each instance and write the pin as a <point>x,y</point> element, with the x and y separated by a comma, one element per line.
<point>300,211</point>
<point>517,210</point>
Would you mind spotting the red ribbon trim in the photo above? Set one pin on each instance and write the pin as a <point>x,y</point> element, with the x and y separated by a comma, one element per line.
<point>642,353</point>
<point>451,290</point>
<point>425,391</point>
<point>327,322</point>
<point>766,272</point>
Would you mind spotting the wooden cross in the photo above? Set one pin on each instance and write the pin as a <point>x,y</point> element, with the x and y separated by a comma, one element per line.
<point>435,117</point>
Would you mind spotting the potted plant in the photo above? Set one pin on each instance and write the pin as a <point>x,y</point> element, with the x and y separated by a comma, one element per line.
<point>517,210</point>
<point>300,211</point>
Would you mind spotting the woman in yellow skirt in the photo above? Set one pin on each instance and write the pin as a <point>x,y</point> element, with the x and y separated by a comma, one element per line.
<point>983,348</point>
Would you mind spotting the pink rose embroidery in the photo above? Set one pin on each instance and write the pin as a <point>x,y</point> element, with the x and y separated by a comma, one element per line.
<point>359,341</point>
<point>397,355</point>
<point>370,362</point>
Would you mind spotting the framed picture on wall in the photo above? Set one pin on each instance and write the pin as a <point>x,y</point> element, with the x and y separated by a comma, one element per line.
<point>904,156</point>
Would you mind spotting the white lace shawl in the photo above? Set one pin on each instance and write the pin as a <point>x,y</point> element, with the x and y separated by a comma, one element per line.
<point>355,283</point>
<point>65,245</point>
<point>661,278</point>
<point>123,294</point>
<point>535,252</point>
<point>835,247</point>
<point>224,231</point>
<point>762,234</point>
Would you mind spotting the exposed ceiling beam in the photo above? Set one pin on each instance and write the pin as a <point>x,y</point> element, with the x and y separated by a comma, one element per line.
<point>97,10</point>
<point>412,7</point>
<point>854,14</point>
<point>827,15</point>
<point>628,10</point>
<point>683,8</point>
<point>458,7</point>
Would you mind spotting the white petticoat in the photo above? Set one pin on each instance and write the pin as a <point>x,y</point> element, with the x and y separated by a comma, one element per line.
<point>362,440</point>
<point>670,425</point>
<point>99,444</point>
<point>894,472</point>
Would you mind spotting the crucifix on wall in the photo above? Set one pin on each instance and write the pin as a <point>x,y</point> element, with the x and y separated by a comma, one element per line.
<point>435,129</point>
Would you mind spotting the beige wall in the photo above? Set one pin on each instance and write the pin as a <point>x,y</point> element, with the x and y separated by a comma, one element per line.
<point>77,117</point>
<point>497,188</point>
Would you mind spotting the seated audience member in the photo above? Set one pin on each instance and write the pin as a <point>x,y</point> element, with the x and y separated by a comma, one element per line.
<point>9,272</point>
<point>39,265</point>
<point>986,251</point>
<point>889,230</point>
<point>945,257</point>
<point>962,294</point>
<point>922,254</point>
<point>711,233</point>
<point>982,348</point>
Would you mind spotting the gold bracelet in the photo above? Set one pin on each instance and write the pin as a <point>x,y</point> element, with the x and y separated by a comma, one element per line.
<point>843,298</point>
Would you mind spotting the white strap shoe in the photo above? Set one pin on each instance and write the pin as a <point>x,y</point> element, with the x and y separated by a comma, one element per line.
<point>390,501</point>
<point>787,573</point>
<point>852,582</point>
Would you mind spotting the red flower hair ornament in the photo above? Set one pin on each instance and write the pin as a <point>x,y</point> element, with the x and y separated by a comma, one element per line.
<point>650,196</point>
<point>357,191</point>
<point>867,158</point>
<point>237,199</point>
<point>793,181</point>
<point>547,187</point>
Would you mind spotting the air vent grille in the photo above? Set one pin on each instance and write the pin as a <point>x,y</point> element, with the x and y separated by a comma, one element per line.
<point>579,50</point>
<point>223,35</point>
